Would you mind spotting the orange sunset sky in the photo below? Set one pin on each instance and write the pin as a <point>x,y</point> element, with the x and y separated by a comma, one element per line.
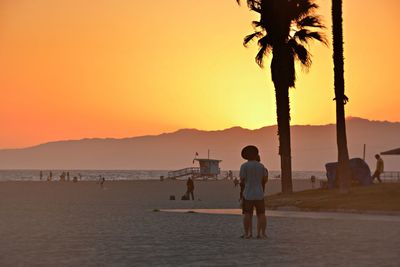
<point>72,69</point>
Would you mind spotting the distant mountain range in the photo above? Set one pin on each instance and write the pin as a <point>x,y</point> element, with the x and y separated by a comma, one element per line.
<point>312,147</point>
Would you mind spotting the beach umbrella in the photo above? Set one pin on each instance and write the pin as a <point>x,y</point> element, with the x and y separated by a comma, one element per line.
<point>392,152</point>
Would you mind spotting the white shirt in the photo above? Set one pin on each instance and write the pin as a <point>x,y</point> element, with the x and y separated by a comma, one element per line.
<point>253,173</point>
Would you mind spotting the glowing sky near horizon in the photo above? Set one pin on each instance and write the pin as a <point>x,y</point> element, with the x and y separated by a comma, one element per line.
<point>72,69</point>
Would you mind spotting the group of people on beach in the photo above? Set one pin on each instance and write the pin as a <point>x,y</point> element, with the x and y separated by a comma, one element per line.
<point>64,176</point>
<point>49,177</point>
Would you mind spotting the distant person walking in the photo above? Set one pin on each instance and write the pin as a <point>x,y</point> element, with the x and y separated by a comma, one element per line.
<point>313,180</point>
<point>379,168</point>
<point>102,181</point>
<point>41,175</point>
<point>190,188</point>
<point>252,175</point>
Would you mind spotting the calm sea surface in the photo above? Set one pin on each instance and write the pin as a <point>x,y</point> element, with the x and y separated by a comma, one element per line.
<point>115,175</point>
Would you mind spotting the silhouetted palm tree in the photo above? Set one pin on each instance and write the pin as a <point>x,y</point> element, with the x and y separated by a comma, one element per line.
<point>343,172</point>
<point>284,28</point>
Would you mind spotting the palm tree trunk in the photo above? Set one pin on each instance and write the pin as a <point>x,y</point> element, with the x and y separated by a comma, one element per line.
<point>343,172</point>
<point>282,66</point>
<point>283,115</point>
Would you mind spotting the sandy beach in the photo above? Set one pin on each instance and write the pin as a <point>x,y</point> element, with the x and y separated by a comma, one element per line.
<point>66,224</point>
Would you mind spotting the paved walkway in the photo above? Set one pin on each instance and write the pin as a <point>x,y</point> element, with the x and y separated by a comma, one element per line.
<point>297,214</point>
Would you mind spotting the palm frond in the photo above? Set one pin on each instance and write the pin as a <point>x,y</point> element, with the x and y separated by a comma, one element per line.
<point>251,3</point>
<point>266,41</point>
<point>256,8</point>
<point>310,21</point>
<point>319,36</point>
<point>250,37</point>
<point>305,7</point>
<point>301,53</point>
<point>260,56</point>
<point>256,24</point>
<point>265,44</point>
<point>305,36</point>
<point>285,23</point>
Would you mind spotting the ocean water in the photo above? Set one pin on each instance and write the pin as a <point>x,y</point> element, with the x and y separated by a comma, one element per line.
<point>121,175</point>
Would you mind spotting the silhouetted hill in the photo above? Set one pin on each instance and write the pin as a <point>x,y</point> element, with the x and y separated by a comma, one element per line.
<point>312,147</point>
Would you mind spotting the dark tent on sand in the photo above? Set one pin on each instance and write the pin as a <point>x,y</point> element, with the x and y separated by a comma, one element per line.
<point>360,172</point>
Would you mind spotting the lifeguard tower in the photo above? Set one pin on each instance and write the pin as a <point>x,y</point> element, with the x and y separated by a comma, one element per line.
<point>208,168</point>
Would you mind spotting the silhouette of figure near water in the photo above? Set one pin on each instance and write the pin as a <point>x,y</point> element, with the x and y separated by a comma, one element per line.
<point>102,180</point>
<point>313,180</point>
<point>190,188</point>
<point>379,168</point>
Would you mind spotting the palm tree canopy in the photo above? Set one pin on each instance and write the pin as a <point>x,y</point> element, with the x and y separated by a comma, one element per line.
<point>285,26</point>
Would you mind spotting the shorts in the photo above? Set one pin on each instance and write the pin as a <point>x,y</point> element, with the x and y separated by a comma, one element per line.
<point>249,205</point>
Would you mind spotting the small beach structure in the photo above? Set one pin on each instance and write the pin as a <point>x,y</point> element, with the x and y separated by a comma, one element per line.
<point>392,152</point>
<point>208,168</point>
<point>392,174</point>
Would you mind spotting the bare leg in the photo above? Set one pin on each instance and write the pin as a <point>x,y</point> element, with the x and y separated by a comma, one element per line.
<point>377,176</point>
<point>251,226</point>
<point>264,228</point>
<point>247,222</point>
<point>261,225</point>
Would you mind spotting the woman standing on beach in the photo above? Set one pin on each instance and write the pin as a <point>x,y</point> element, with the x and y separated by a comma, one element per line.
<point>252,175</point>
